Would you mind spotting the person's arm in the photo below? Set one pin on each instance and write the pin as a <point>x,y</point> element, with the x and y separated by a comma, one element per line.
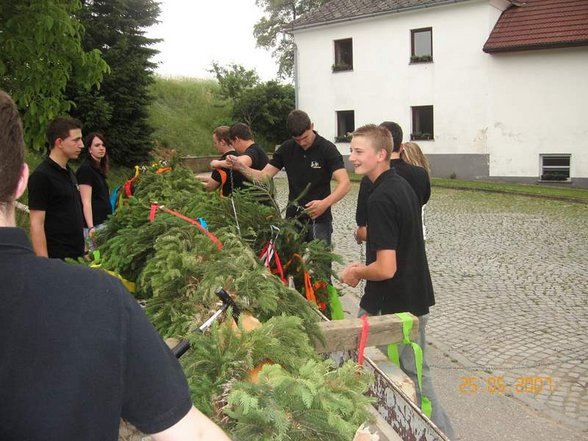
<point>242,164</point>
<point>217,163</point>
<point>317,207</point>
<point>37,221</point>
<point>86,194</point>
<point>195,426</point>
<point>361,235</point>
<point>383,268</point>
<point>211,184</point>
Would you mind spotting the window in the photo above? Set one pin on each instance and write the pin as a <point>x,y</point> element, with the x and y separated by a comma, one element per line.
<point>421,43</point>
<point>345,125</point>
<point>422,123</point>
<point>343,55</point>
<point>555,167</point>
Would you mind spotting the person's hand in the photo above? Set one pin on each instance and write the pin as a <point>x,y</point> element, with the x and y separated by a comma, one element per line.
<point>233,162</point>
<point>349,275</point>
<point>315,208</point>
<point>92,232</point>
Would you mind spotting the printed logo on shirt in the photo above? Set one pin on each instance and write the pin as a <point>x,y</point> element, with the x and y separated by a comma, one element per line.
<point>315,164</point>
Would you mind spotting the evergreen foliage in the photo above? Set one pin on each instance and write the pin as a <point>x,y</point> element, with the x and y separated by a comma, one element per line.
<point>119,108</point>
<point>312,402</point>
<point>177,270</point>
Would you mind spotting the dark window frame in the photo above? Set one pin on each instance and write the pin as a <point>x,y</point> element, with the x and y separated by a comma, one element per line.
<point>421,58</point>
<point>419,119</point>
<point>343,60</point>
<point>345,125</point>
<point>553,171</point>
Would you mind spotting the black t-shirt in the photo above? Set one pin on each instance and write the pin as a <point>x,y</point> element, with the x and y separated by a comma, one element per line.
<point>90,174</point>
<point>258,156</point>
<point>417,177</point>
<point>394,223</point>
<point>78,353</point>
<point>223,176</point>
<point>314,166</point>
<point>54,190</point>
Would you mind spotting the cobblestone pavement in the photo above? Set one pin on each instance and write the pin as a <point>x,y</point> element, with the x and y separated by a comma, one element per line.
<point>511,285</point>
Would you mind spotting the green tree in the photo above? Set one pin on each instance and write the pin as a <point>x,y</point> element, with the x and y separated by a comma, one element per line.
<point>262,106</point>
<point>233,79</point>
<point>120,107</point>
<point>270,30</point>
<point>40,51</point>
<point>265,108</point>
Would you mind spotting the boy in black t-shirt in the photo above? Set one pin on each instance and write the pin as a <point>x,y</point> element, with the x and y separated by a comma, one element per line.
<point>396,270</point>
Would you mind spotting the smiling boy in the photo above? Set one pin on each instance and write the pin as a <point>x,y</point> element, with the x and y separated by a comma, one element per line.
<point>396,269</point>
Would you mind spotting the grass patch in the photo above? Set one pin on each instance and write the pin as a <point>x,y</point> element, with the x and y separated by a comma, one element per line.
<point>536,190</point>
<point>544,191</point>
<point>184,114</point>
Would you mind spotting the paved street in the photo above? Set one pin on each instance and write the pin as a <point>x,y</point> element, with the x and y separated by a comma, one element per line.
<point>509,349</point>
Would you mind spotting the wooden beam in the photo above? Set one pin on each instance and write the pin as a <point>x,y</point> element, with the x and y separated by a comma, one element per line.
<point>343,335</point>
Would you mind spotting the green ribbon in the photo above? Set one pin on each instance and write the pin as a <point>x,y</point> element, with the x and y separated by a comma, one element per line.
<point>335,304</point>
<point>393,355</point>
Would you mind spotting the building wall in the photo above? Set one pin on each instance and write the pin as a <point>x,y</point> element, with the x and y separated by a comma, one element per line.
<point>537,105</point>
<point>491,112</point>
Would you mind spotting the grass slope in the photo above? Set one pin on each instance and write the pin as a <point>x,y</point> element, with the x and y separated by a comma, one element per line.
<point>184,114</point>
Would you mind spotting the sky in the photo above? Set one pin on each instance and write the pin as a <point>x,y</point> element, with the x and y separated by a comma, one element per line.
<point>195,33</point>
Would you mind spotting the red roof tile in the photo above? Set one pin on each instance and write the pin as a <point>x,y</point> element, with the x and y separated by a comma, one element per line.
<point>540,24</point>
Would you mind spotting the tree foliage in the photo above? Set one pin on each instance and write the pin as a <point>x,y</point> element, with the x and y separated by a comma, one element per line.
<point>120,107</point>
<point>40,51</point>
<point>263,106</point>
<point>270,30</point>
<point>234,80</point>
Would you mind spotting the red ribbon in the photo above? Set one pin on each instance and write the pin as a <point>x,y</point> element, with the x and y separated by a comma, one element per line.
<point>211,236</point>
<point>365,330</point>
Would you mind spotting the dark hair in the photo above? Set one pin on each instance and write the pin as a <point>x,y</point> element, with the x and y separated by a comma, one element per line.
<point>12,149</point>
<point>104,163</point>
<point>223,133</point>
<point>241,131</point>
<point>396,132</point>
<point>59,129</point>
<point>297,122</point>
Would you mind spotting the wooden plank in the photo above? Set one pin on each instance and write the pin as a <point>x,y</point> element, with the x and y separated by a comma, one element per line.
<point>343,335</point>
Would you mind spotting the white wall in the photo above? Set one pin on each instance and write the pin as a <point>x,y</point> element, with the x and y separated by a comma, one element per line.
<point>512,106</point>
<point>537,105</point>
<point>383,85</point>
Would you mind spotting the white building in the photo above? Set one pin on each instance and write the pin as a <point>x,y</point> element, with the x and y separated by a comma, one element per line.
<point>491,89</point>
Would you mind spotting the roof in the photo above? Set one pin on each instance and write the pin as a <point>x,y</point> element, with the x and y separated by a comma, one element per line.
<point>540,24</point>
<point>342,10</point>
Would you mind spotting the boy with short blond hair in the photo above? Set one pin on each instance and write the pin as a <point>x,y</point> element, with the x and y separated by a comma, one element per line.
<point>396,269</point>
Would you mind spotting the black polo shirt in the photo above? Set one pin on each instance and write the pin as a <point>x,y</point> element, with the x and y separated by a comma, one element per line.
<point>90,174</point>
<point>54,190</point>
<point>78,353</point>
<point>314,166</point>
<point>258,156</point>
<point>417,177</point>
<point>394,223</point>
<point>221,173</point>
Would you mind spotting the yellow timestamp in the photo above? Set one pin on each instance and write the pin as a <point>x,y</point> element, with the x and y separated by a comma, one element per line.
<point>497,385</point>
